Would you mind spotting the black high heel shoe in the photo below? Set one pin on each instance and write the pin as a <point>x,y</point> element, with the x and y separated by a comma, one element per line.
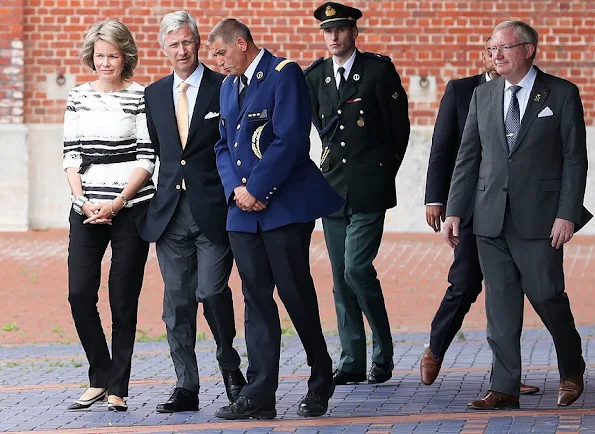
<point>111,406</point>
<point>81,404</point>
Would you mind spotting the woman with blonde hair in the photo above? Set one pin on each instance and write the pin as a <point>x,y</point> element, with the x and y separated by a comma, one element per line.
<point>109,160</point>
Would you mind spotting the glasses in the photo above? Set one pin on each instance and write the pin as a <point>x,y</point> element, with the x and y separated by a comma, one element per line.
<point>176,45</point>
<point>504,48</point>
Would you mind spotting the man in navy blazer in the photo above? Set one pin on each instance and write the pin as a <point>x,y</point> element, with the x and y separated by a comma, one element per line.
<point>187,215</point>
<point>275,193</point>
<point>465,276</point>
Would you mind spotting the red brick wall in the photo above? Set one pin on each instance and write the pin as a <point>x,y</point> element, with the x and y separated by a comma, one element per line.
<point>439,38</point>
<point>11,61</point>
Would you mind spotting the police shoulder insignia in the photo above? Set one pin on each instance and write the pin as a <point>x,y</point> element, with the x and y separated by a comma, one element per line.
<point>377,56</point>
<point>282,65</point>
<point>314,65</point>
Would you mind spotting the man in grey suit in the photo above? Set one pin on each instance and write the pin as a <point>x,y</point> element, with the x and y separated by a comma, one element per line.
<point>523,158</point>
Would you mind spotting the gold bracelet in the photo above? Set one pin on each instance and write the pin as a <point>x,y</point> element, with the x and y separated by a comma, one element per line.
<point>111,208</point>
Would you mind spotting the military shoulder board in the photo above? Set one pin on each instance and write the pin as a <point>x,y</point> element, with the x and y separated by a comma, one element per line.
<point>314,65</point>
<point>377,56</point>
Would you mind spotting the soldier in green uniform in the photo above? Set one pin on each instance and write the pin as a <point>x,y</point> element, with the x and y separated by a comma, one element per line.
<point>360,110</point>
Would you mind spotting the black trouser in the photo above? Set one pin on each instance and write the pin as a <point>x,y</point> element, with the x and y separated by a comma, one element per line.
<point>279,257</point>
<point>465,279</point>
<point>86,247</point>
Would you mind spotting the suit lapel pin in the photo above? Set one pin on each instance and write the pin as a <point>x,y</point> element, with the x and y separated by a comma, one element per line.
<point>537,97</point>
<point>356,77</point>
<point>395,95</point>
<point>259,75</point>
<point>327,80</point>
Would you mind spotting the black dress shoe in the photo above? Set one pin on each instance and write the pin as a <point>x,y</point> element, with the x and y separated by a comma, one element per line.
<point>315,404</point>
<point>245,408</point>
<point>111,406</point>
<point>180,400</point>
<point>380,373</point>
<point>81,404</point>
<point>234,382</point>
<point>341,378</point>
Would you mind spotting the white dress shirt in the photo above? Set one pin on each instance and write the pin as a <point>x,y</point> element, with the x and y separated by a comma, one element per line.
<point>348,65</point>
<point>192,92</point>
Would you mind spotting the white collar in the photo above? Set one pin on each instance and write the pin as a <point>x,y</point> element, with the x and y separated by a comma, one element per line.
<point>194,79</point>
<point>252,67</point>
<point>347,65</point>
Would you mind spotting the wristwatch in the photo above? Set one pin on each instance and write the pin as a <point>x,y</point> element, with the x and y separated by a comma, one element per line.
<point>78,203</point>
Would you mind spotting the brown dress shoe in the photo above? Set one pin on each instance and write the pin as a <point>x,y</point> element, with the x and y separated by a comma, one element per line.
<point>494,401</point>
<point>528,390</point>
<point>571,388</point>
<point>429,367</point>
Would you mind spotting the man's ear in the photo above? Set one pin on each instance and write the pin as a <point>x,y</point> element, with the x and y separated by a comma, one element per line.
<point>242,43</point>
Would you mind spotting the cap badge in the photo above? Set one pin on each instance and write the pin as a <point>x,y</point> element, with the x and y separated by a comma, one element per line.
<point>330,12</point>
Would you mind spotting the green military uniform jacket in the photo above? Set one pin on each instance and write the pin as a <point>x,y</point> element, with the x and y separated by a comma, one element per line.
<point>365,133</point>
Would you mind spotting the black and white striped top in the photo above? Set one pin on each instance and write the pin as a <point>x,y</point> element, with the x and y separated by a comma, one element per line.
<point>106,138</point>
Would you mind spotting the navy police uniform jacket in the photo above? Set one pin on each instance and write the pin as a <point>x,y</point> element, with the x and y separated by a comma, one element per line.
<point>364,133</point>
<point>265,145</point>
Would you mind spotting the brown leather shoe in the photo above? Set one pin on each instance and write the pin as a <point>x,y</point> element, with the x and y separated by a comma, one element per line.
<point>571,388</point>
<point>494,401</point>
<point>429,367</point>
<point>528,390</point>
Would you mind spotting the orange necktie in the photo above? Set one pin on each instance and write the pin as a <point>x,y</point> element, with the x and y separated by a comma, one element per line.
<point>182,115</point>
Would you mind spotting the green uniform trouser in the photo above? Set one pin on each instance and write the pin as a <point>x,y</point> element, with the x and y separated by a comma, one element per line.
<point>352,242</point>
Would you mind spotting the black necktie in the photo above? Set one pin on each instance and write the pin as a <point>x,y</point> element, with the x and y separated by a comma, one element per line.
<point>512,123</point>
<point>242,94</point>
<point>342,80</point>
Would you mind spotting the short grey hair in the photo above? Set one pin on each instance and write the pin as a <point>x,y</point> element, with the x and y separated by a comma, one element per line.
<point>229,30</point>
<point>173,22</point>
<point>524,32</point>
<point>119,36</point>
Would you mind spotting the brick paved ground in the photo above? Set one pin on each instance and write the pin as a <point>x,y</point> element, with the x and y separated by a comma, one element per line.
<point>411,267</point>
<point>38,381</point>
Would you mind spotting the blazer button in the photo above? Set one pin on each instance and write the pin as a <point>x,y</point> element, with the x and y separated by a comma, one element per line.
<point>510,160</point>
<point>267,198</point>
<point>343,144</point>
<point>342,127</point>
<point>339,111</point>
<point>239,162</point>
<point>344,160</point>
<point>244,180</point>
<point>183,162</point>
<point>178,187</point>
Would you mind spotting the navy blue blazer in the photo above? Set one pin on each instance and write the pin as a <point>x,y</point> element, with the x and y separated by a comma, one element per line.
<point>195,163</point>
<point>448,132</point>
<point>265,145</point>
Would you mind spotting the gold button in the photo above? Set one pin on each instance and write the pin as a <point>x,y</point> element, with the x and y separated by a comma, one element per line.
<point>343,144</point>
<point>344,160</point>
<point>339,111</point>
<point>244,180</point>
<point>322,116</point>
<point>183,162</point>
<point>342,127</point>
<point>270,192</point>
<point>267,198</point>
<point>239,162</point>
<point>178,187</point>
<point>275,188</point>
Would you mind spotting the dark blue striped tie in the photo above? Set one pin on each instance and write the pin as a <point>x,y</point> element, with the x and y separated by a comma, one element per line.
<point>512,123</point>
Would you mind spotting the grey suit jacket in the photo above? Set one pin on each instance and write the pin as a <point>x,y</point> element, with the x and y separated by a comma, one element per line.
<point>543,177</point>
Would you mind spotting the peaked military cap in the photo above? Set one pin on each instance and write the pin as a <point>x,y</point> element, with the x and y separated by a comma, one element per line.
<point>332,14</point>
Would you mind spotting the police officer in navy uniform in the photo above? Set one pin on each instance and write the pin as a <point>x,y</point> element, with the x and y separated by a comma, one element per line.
<point>360,110</point>
<point>275,193</point>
